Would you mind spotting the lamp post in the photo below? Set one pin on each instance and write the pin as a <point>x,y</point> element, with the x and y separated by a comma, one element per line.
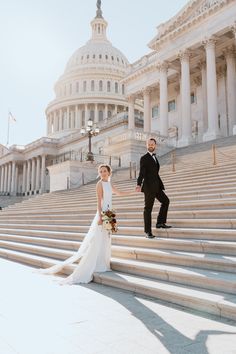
<point>91,130</point>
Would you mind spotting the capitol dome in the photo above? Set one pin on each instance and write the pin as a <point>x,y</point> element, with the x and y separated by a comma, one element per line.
<point>90,87</point>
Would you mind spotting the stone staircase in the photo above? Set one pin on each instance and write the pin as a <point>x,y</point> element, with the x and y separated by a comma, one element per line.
<point>193,264</point>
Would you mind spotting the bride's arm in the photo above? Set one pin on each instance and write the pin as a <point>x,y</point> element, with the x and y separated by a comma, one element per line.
<point>120,193</point>
<point>99,193</point>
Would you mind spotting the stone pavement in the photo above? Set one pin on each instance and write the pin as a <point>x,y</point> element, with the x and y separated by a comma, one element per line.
<point>38,316</point>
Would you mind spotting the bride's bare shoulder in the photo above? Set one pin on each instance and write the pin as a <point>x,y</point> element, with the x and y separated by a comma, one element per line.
<point>99,184</point>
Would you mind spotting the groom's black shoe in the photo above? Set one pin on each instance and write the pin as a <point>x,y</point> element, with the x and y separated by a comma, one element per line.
<point>149,235</point>
<point>163,226</point>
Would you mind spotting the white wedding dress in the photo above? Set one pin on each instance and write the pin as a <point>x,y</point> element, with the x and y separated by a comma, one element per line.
<point>95,251</point>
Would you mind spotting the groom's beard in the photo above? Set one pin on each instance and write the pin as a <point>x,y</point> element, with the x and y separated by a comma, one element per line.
<point>151,149</point>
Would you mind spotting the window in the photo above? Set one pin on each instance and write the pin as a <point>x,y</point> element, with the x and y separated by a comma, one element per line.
<point>109,114</point>
<point>171,106</point>
<point>85,86</point>
<point>100,85</point>
<point>88,56</point>
<point>92,115</point>
<point>112,58</point>
<point>92,85</point>
<point>155,111</point>
<point>83,119</point>
<point>193,98</point>
<point>108,86</point>
<point>100,116</point>
<point>116,87</point>
<point>77,86</point>
<point>123,89</point>
<point>100,56</point>
<point>106,57</point>
<point>94,56</point>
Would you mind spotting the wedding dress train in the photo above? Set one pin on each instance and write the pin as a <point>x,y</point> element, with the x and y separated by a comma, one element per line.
<point>95,251</point>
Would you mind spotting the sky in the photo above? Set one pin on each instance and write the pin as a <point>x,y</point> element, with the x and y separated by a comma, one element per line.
<point>37,38</point>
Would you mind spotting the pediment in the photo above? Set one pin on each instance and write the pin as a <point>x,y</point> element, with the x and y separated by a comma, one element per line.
<point>3,150</point>
<point>197,8</point>
<point>191,11</point>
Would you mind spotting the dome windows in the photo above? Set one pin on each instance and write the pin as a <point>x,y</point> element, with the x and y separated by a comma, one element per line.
<point>100,85</point>
<point>84,86</point>
<point>92,85</point>
<point>116,87</point>
<point>108,86</point>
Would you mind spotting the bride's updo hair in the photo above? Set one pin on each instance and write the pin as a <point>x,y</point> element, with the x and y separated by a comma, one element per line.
<point>108,167</point>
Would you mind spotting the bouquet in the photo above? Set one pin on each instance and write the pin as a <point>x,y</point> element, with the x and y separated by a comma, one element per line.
<point>109,220</point>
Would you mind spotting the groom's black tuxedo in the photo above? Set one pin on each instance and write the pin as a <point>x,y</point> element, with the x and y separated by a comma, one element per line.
<point>153,187</point>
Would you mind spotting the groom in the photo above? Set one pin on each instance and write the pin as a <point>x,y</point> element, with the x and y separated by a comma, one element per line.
<point>151,184</point>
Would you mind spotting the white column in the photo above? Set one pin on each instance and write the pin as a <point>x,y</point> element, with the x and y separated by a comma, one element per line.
<point>76,117</point>
<point>106,112</point>
<point>2,177</point>
<point>131,118</point>
<point>96,113</point>
<point>60,119</point>
<point>163,99</point>
<point>147,115</point>
<point>5,177</point>
<point>231,89</point>
<point>186,135</point>
<point>213,129</point>
<point>202,67</point>
<point>28,176</point>
<point>13,180</point>
<point>86,115</point>
<point>43,157</point>
<point>16,179</point>
<point>24,178</point>
<point>9,178</point>
<point>37,174</point>
<point>33,175</point>
<point>67,117</point>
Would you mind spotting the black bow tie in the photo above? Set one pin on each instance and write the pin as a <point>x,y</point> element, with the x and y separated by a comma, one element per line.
<point>153,154</point>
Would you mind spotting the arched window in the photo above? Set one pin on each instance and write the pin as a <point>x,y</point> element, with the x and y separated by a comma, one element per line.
<point>85,86</point>
<point>123,89</point>
<point>108,86</point>
<point>77,86</point>
<point>116,87</point>
<point>100,85</point>
<point>92,85</point>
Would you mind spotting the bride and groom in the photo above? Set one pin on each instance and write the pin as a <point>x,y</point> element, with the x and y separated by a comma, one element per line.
<point>95,251</point>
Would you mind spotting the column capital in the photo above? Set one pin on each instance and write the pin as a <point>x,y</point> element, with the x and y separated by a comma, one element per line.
<point>131,98</point>
<point>229,52</point>
<point>209,42</point>
<point>146,91</point>
<point>163,66</point>
<point>184,55</point>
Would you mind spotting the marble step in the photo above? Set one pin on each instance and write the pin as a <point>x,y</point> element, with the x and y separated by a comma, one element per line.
<point>72,242</point>
<point>217,303</point>
<point>214,302</point>
<point>190,259</point>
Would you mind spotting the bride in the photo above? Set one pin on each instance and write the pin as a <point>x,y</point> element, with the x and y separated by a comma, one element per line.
<point>95,251</point>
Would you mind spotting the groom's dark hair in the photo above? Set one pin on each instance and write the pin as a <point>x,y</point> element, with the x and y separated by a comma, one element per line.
<point>153,140</point>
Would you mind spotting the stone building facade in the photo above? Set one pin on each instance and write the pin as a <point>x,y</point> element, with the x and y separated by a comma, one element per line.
<point>183,92</point>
